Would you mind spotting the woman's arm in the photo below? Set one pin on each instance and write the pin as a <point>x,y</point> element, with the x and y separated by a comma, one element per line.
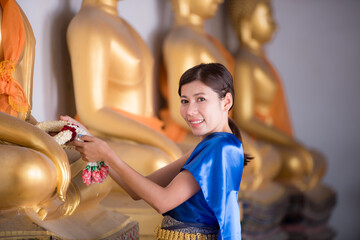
<point>179,186</point>
<point>162,176</point>
<point>166,174</point>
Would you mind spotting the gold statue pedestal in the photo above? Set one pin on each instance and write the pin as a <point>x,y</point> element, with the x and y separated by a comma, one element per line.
<point>308,214</point>
<point>14,224</point>
<point>119,201</point>
<point>139,211</point>
<point>95,223</point>
<point>263,211</point>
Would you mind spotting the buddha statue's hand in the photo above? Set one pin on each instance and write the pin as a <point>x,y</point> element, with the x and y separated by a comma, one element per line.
<point>73,121</point>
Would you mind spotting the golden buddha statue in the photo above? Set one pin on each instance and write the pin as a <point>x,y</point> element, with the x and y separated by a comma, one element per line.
<point>34,166</point>
<point>186,45</point>
<point>25,145</point>
<point>260,104</point>
<point>113,83</point>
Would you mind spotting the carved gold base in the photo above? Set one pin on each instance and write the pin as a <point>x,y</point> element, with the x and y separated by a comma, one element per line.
<point>140,211</point>
<point>95,223</point>
<point>263,211</point>
<point>27,235</point>
<point>15,224</point>
<point>129,232</point>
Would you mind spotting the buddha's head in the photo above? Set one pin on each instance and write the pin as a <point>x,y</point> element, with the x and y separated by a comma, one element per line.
<point>203,9</point>
<point>253,19</point>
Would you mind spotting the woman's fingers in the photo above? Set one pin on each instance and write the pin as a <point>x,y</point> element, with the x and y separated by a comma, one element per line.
<point>87,138</point>
<point>92,149</point>
<point>76,143</point>
<point>68,119</point>
<point>71,120</point>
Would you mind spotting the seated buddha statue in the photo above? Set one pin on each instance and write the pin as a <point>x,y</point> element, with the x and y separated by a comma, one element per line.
<point>261,106</point>
<point>188,44</point>
<point>113,75</point>
<point>23,143</point>
<point>34,166</point>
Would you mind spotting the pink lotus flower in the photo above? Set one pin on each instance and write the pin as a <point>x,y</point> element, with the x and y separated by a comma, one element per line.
<point>86,176</point>
<point>95,173</point>
<point>104,170</point>
<point>96,177</point>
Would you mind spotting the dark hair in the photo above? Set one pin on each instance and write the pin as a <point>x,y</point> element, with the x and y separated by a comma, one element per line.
<point>219,79</point>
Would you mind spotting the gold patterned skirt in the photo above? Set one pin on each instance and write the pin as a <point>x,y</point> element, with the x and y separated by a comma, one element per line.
<point>172,229</point>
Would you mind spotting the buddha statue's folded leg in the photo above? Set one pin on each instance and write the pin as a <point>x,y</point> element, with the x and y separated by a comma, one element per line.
<point>294,170</point>
<point>265,164</point>
<point>300,172</point>
<point>320,166</point>
<point>28,178</point>
<point>82,216</point>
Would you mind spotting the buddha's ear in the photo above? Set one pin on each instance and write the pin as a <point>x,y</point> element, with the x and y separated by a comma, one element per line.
<point>227,101</point>
<point>245,30</point>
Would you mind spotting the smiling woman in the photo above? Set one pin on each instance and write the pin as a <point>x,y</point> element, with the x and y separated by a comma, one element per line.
<point>198,193</point>
<point>201,111</point>
<point>206,101</point>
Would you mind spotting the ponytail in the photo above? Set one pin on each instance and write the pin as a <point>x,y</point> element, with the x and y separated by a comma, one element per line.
<point>236,131</point>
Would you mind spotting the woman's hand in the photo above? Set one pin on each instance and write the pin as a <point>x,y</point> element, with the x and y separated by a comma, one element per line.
<point>92,149</point>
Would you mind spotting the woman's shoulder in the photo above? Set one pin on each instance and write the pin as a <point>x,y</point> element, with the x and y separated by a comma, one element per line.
<point>221,150</point>
<point>221,139</point>
<point>219,144</point>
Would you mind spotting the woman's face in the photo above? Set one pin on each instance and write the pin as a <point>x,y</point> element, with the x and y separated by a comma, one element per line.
<point>203,110</point>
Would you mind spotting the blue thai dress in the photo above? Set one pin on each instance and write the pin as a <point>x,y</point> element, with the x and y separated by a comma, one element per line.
<point>217,164</point>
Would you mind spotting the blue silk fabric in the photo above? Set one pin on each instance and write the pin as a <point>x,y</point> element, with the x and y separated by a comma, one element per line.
<point>217,165</point>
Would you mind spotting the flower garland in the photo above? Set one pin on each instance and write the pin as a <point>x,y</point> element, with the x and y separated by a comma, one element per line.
<point>94,172</point>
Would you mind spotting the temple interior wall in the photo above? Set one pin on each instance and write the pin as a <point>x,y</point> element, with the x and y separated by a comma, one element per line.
<point>316,51</point>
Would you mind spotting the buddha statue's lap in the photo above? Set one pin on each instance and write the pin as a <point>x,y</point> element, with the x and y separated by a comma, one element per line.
<point>18,164</point>
<point>188,44</point>
<point>262,110</point>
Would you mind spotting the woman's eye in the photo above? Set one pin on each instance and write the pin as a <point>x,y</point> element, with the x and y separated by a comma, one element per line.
<point>201,99</point>
<point>183,101</point>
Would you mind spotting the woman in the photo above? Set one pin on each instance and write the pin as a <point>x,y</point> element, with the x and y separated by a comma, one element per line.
<point>198,193</point>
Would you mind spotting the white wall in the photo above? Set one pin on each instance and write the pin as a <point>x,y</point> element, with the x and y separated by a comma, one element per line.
<point>315,50</point>
<point>317,53</point>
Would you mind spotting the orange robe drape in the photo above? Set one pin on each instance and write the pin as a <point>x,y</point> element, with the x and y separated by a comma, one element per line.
<point>12,96</point>
<point>278,113</point>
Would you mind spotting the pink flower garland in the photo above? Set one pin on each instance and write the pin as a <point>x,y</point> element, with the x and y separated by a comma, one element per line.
<point>95,173</point>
